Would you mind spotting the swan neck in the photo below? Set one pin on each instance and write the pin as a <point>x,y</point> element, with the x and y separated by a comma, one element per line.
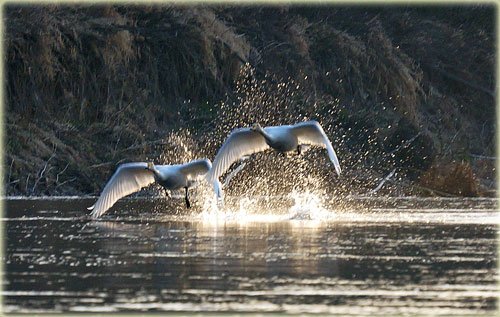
<point>266,135</point>
<point>155,171</point>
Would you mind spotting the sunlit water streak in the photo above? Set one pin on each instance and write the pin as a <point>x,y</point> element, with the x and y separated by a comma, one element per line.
<point>305,252</point>
<point>305,208</point>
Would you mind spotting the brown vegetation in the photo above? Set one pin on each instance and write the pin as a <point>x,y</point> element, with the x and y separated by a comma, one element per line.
<point>454,179</point>
<point>90,86</point>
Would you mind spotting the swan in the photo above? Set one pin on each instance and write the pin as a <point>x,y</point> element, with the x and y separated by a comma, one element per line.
<point>284,139</point>
<point>131,177</point>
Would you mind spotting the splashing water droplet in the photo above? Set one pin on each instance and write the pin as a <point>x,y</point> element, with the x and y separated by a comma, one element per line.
<point>308,206</point>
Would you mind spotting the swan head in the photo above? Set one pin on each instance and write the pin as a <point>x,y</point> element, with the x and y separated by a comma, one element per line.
<point>256,127</point>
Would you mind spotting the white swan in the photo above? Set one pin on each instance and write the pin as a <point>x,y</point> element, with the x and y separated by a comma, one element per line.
<point>131,177</point>
<point>285,138</point>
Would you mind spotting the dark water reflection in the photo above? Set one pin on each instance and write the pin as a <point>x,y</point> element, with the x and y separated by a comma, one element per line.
<point>58,260</point>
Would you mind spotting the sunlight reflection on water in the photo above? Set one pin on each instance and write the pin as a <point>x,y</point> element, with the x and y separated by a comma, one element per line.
<point>300,253</point>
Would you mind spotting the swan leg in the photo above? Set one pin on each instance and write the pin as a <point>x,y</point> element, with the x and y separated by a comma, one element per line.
<point>193,184</point>
<point>188,204</point>
<point>302,148</point>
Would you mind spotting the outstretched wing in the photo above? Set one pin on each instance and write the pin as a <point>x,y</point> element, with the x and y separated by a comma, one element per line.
<point>195,169</point>
<point>128,178</point>
<point>218,188</point>
<point>312,133</point>
<point>241,142</point>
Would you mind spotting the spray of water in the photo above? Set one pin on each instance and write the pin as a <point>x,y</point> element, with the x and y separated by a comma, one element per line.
<point>308,205</point>
<point>298,206</point>
<point>269,187</point>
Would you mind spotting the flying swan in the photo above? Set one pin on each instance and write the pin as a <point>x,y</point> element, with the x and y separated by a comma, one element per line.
<point>286,138</point>
<point>131,177</point>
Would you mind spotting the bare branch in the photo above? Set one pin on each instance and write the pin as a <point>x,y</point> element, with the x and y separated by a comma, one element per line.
<point>66,181</point>
<point>57,176</point>
<point>27,182</point>
<point>483,157</point>
<point>101,164</point>
<point>465,82</point>
<point>10,170</point>
<point>376,189</point>
<point>406,144</point>
<point>42,172</point>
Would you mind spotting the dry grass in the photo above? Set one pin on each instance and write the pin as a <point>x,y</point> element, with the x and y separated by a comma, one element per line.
<point>372,70</point>
<point>90,86</point>
<point>455,178</point>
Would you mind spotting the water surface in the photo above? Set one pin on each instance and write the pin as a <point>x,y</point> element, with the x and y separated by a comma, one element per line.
<point>376,256</point>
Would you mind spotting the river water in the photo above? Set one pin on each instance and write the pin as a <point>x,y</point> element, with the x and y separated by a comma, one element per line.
<point>371,256</point>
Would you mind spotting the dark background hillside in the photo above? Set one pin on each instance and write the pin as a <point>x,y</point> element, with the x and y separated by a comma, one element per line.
<point>408,88</point>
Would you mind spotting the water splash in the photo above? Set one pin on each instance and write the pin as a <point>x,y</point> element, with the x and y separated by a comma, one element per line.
<point>303,207</point>
<point>309,206</point>
<point>179,147</point>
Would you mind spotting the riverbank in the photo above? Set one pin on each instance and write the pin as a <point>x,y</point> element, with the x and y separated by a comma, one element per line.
<point>403,89</point>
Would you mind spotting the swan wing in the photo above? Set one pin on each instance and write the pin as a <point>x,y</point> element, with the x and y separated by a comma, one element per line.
<point>128,178</point>
<point>312,133</point>
<point>218,188</point>
<point>241,142</point>
<point>195,169</point>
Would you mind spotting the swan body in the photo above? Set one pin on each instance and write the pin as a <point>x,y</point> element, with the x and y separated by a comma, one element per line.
<point>132,177</point>
<point>284,139</point>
